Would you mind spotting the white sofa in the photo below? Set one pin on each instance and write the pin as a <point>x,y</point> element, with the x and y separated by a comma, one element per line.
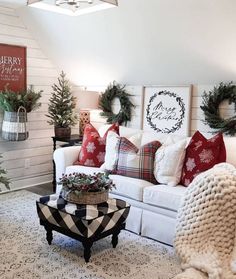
<point>153,207</point>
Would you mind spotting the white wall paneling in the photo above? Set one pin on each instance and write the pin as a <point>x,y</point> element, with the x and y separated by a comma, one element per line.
<point>7,11</point>
<point>197,115</point>
<point>136,98</point>
<point>41,73</point>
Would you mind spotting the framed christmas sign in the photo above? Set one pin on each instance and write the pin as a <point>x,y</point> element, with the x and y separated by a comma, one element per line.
<point>167,109</point>
<point>12,67</point>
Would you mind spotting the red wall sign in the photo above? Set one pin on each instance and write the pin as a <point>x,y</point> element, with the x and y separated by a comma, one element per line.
<point>12,67</point>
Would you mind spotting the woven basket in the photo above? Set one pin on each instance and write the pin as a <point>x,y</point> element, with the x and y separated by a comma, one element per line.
<point>85,197</point>
<point>14,125</point>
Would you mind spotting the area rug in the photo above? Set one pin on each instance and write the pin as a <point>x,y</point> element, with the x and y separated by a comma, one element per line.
<point>25,253</point>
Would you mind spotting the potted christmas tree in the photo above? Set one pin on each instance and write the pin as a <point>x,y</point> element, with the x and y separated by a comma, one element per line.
<point>61,108</point>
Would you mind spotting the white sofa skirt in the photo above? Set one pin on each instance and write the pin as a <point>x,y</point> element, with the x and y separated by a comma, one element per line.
<point>150,221</point>
<point>159,227</point>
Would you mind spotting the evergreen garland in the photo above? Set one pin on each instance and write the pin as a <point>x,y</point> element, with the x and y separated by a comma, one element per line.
<point>62,104</point>
<point>113,91</point>
<point>3,179</point>
<point>210,107</point>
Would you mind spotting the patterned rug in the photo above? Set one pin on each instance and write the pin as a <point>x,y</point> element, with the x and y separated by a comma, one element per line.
<point>24,252</point>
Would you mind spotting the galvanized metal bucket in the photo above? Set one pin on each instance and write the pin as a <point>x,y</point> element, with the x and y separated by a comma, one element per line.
<point>14,125</point>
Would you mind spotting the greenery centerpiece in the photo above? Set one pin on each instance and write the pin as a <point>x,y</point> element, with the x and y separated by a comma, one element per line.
<point>86,188</point>
<point>3,179</point>
<point>16,105</point>
<point>61,108</point>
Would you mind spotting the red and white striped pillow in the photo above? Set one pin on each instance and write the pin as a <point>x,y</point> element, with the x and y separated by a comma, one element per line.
<point>134,162</point>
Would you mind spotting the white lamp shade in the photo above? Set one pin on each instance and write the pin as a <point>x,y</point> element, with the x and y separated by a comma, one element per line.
<point>87,99</point>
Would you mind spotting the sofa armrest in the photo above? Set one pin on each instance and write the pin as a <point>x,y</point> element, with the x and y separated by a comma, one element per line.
<point>64,157</point>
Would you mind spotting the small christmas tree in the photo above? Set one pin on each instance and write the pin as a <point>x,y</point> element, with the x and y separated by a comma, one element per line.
<point>3,179</point>
<point>62,104</point>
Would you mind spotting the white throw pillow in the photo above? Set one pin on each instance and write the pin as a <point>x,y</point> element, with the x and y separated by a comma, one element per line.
<point>111,155</point>
<point>169,161</point>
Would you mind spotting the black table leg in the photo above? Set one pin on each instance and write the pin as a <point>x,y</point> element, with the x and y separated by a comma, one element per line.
<point>49,235</point>
<point>87,249</point>
<point>114,240</point>
<point>54,183</point>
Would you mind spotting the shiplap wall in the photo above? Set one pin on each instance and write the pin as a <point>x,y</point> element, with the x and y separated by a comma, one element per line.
<point>197,115</point>
<point>136,99</point>
<point>41,74</point>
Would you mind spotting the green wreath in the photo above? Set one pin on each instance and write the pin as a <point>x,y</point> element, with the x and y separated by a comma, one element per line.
<point>113,91</point>
<point>210,107</point>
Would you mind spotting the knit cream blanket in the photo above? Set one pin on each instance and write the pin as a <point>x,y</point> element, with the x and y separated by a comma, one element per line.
<point>206,226</point>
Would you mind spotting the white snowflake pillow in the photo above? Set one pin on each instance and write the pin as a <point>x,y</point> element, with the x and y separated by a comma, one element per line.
<point>169,163</point>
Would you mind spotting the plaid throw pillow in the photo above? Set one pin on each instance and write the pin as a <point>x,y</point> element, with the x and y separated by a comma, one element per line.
<point>134,162</point>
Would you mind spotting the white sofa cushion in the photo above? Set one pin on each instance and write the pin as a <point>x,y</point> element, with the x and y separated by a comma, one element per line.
<point>129,187</point>
<point>125,186</point>
<point>164,196</point>
<point>163,138</point>
<point>82,169</point>
<point>146,206</point>
<point>230,145</point>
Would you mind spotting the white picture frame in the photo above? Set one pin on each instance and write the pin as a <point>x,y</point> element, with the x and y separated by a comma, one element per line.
<point>167,109</point>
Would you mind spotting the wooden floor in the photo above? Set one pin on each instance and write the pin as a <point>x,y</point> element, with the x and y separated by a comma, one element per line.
<point>42,190</point>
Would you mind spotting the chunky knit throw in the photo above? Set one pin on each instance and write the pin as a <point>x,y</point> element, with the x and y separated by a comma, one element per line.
<point>206,226</point>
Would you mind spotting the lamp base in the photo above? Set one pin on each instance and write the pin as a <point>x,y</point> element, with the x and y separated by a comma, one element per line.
<point>84,118</point>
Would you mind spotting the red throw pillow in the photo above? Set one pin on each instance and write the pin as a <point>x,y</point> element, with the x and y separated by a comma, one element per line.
<point>134,162</point>
<point>92,152</point>
<point>201,155</point>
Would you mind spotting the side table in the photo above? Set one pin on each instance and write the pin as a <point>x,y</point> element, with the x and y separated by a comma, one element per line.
<point>72,140</point>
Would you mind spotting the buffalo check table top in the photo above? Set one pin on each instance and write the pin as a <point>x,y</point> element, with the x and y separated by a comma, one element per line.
<point>84,220</point>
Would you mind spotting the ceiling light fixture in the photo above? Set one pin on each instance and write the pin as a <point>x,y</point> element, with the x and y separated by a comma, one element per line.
<point>73,3</point>
<point>73,7</point>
